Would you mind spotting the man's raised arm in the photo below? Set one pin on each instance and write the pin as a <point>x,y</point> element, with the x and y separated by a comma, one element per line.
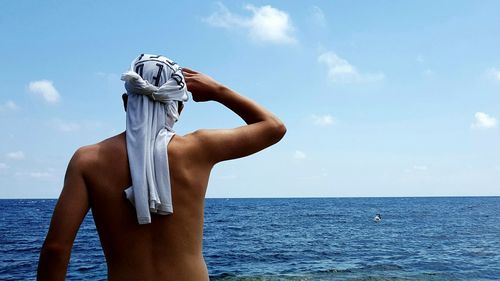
<point>264,128</point>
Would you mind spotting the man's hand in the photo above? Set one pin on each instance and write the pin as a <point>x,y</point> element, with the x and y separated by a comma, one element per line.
<point>202,87</point>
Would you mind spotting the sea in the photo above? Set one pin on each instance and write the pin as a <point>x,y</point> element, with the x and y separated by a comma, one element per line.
<point>440,238</point>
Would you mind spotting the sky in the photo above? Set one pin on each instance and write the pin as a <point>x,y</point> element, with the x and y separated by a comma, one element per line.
<point>380,98</point>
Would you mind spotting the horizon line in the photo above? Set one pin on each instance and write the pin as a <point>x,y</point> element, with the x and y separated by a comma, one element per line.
<point>297,197</point>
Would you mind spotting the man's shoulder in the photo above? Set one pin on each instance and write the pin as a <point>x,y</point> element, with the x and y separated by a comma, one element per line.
<point>199,136</point>
<point>90,155</point>
<point>192,141</point>
<point>85,157</point>
<point>189,146</point>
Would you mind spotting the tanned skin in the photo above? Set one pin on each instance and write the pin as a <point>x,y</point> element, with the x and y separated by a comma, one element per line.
<point>170,248</point>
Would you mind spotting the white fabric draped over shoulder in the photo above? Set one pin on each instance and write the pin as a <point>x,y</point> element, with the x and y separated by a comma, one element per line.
<point>155,87</point>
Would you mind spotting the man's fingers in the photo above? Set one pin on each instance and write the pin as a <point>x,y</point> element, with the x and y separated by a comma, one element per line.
<point>189,78</point>
<point>188,70</point>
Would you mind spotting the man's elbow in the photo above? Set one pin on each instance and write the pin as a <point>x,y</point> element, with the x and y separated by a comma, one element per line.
<point>53,250</point>
<point>278,129</point>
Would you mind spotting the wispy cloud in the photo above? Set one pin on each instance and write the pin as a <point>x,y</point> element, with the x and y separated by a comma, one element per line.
<point>266,24</point>
<point>9,106</point>
<point>40,175</point>
<point>420,59</point>
<point>299,155</point>
<point>417,168</point>
<point>317,16</point>
<point>493,73</point>
<point>37,175</point>
<point>46,90</point>
<point>483,121</point>
<point>428,72</point>
<point>3,166</point>
<point>106,75</point>
<point>341,71</point>
<point>15,155</point>
<point>420,167</point>
<point>322,120</point>
<point>111,78</point>
<point>65,126</point>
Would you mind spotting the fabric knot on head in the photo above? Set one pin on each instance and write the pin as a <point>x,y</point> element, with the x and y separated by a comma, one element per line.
<point>155,86</point>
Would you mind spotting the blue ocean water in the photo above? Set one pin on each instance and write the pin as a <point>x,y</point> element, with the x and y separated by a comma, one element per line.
<point>456,238</point>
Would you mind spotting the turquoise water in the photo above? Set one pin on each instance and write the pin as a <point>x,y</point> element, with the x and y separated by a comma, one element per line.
<point>298,239</point>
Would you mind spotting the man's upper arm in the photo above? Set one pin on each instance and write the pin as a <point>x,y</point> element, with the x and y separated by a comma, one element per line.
<point>71,207</point>
<point>225,144</point>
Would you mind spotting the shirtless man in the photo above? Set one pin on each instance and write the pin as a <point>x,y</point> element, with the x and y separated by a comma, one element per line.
<point>170,247</point>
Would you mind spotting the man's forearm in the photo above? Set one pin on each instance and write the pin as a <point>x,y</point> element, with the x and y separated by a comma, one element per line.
<point>247,109</point>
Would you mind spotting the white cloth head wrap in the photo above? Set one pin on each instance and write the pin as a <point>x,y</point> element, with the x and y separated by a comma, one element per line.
<point>155,85</point>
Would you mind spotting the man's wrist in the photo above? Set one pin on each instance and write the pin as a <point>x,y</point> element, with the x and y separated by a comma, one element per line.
<point>222,93</point>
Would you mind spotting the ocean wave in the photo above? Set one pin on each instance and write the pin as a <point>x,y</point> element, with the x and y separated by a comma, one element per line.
<point>337,275</point>
<point>376,272</point>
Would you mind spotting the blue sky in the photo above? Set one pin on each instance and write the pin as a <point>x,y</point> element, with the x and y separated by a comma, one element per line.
<point>380,98</point>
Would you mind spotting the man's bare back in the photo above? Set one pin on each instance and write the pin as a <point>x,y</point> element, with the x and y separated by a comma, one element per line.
<point>170,248</point>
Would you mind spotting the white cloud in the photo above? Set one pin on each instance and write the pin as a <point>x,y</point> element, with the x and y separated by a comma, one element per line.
<point>420,59</point>
<point>420,167</point>
<point>40,175</point>
<point>9,105</point>
<point>417,168</point>
<point>428,72</point>
<point>15,155</point>
<point>3,166</point>
<point>315,176</point>
<point>46,90</point>
<point>71,126</point>
<point>341,71</point>
<point>317,16</point>
<point>299,155</point>
<point>111,78</point>
<point>65,126</point>
<point>493,73</point>
<point>483,121</point>
<point>266,24</point>
<point>224,18</point>
<point>323,120</point>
